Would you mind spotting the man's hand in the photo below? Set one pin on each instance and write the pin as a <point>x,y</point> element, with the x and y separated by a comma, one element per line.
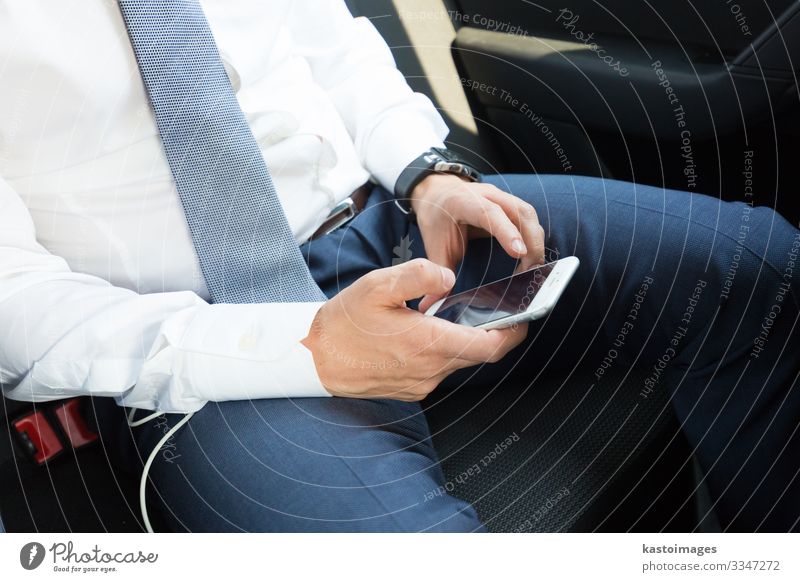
<point>450,211</point>
<point>367,344</point>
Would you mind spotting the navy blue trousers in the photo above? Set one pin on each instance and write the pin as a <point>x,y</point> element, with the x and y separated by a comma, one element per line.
<point>695,290</point>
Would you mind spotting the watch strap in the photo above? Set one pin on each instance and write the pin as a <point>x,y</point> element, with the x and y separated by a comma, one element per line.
<point>433,161</point>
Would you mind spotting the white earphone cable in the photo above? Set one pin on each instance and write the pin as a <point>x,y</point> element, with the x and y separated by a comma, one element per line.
<point>141,421</point>
<point>143,482</point>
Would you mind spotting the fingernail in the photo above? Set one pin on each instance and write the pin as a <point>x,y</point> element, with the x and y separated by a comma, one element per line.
<point>448,278</point>
<point>518,246</point>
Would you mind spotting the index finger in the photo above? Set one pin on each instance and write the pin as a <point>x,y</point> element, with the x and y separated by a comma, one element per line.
<point>524,215</point>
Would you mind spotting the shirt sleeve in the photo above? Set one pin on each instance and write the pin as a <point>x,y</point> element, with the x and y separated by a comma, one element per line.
<point>389,123</point>
<point>64,334</point>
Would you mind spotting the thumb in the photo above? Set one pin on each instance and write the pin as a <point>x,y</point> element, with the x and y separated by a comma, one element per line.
<point>410,280</point>
<point>448,262</point>
<point>447,255</point>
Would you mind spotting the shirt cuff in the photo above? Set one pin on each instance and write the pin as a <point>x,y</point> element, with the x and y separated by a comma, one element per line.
<point>233,352</point>
<point>398,140</point>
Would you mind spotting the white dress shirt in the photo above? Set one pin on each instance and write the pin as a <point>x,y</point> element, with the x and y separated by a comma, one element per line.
<point>100,288</point>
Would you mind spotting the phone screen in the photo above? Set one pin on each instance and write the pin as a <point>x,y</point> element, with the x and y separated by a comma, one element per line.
<point>504,298</point>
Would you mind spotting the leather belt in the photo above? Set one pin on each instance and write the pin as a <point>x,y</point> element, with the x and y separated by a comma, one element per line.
<point>345,211</point>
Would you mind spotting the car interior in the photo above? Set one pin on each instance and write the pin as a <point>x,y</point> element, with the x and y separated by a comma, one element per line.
<point>674,94</point>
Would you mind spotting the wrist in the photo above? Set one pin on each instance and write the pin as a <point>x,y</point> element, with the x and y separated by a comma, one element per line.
<point>430,187</point>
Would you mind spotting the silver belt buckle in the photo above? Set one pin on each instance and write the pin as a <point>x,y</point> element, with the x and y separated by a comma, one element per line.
<point>343,212</point>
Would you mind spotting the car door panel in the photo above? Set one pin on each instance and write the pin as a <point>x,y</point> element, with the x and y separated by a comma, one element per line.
<point>724,26</point>
<point>673,94</point>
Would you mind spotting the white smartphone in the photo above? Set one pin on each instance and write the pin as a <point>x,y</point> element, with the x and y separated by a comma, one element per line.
<point>521,297</point>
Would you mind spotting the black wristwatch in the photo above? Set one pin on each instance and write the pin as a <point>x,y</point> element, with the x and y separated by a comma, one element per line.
<point>434,161</point>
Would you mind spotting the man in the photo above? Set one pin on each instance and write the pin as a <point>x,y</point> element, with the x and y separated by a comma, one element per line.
<point>148,252</point>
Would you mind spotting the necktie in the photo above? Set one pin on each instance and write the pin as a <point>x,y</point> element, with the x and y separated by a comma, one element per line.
<point>246,249</point>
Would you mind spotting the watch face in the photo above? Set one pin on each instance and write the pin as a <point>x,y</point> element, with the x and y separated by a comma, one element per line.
<point>451,157</point>
<point>433,158</point>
